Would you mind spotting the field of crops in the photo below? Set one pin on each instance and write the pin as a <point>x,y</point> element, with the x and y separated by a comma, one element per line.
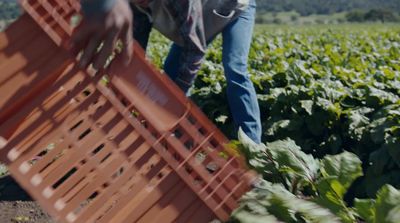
<point>330,105</point>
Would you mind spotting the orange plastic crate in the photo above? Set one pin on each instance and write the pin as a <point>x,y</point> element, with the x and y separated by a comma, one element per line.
<point>130,149</point>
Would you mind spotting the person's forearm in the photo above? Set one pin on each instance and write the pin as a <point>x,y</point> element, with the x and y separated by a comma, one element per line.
<point>94,7</point>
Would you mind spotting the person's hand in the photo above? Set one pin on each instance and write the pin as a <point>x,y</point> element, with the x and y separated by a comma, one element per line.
<point>107,29</point>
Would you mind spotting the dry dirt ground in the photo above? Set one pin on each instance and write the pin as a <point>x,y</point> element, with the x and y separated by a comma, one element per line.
<point>16,206</point>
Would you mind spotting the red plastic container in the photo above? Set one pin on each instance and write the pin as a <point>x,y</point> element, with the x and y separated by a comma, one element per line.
<point>122,145</point>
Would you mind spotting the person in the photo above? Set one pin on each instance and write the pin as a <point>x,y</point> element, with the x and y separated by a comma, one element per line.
<point>191,25</point>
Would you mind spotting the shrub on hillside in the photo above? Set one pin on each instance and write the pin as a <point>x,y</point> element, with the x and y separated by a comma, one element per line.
<point>374,15</point>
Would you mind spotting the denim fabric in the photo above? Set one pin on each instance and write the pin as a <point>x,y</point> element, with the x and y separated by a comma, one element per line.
<point>242,98</point>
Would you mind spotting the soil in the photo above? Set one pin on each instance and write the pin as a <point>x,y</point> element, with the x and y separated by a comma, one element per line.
<point>17,207</point>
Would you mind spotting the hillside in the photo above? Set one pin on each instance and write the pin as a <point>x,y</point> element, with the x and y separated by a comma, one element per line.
<point>307,7</point>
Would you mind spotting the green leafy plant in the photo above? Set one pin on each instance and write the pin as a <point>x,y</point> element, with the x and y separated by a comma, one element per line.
<point>320,187</point>
<point>329,100</point>
<point>3,170</point>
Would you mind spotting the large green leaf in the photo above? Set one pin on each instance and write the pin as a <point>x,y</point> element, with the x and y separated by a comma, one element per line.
<point>271,199</point>
<point>345,167</point>
<point>256,154</point>
<point>338,173</point>
<point>357,126</point>
<point>365,208</point>
<point>386,208</point>
<point>331,193</point>
<point>249,217</point>
<point>292,160</point>
<point>387,205</point>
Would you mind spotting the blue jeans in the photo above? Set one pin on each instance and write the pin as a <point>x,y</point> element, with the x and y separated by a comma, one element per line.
<point>242,98</point>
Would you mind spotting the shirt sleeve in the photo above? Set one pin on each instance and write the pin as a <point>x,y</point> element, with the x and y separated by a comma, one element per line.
<point>189,15</point>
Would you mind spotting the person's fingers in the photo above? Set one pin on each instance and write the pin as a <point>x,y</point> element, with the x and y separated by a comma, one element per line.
<point>107,49</point>
<point>127,44</point>
<point>90,51</point>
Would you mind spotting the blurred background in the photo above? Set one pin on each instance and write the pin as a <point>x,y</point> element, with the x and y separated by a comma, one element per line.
<point>327,11</point>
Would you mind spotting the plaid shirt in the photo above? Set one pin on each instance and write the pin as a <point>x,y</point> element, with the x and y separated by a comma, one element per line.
<point>189,17</point>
